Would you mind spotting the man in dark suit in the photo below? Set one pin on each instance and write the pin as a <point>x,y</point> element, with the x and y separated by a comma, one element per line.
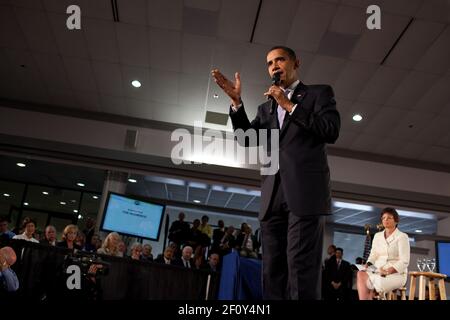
<point>295,200</point>
<point>186,258</point>
<point>338,277</point>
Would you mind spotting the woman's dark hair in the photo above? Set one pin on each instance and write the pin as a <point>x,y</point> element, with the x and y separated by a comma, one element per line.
<point>27,221</point>
<point>392,212</point>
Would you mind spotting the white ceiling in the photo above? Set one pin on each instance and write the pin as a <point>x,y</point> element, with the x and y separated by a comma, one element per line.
<point>170,46</point>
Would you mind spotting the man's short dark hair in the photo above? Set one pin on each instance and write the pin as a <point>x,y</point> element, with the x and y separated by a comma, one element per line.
<point>289,51</point>
<point>340,249</point>
<point>27,222</point>
<point>4,219</point>
<point>392,212</point>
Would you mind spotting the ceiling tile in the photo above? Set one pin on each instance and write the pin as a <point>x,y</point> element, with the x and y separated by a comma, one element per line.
<point>36,28</point>
<point>176,114</point>
<point>165,45</point>
<point>310,23</point>
<point>133,11</point>
<point>366,143</point>
<point>30,4</point>
<point>241,26</point>
<point>414,43</point>
<point>324,69</point>
<point>137,108</point>
<point>383,121</point>
<point>193,94</point>
<point>64,98</point>
<point>337,44</point>
<point>436,154</point>
<point>109,78</point>
<point>433,130</point>
<point>435,99</point>
<point>53,71</point>
<point>374,45</point>
<point>411,124</point>
<point>227,56</point>
<point>11,35</point>
<point>80,74</point>
<point>197,54</point>
<point>164,86</point>
<point>352,79</point>
<point>71,43</point>
<point>166,14</point>
<point>210,5</point>
<point>133,44</point>
<point>401,7</point>
<point>200,22</point>
<point>411,89</point>
<point>98,9</point>
<point>101,40</point>
<point>411,150</point>
<point>366,110</point>
<point>113,105</point>
<point>349,20</point>
<point>346,138</point>
<point>435,10</point>
<point>88,101</point>
<point>436,58</point>
<point>444,140</point>
<point>254,67</point>
<point>60,6</point>
<point>270,30</point>
<point>382,84</point>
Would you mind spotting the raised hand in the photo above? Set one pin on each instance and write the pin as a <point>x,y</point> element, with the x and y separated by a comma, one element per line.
<point>233,90</point>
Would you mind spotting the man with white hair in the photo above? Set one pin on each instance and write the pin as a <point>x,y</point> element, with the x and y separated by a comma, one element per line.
<point>186,258</point>
<point>50,236</point>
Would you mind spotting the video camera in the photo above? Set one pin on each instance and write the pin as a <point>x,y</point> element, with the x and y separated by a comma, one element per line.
<point>85,260</point>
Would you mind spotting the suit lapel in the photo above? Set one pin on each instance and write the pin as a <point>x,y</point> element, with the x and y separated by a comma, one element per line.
<point>297,98</point>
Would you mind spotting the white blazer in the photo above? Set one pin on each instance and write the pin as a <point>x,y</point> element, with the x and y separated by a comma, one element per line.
<point>391,252</point>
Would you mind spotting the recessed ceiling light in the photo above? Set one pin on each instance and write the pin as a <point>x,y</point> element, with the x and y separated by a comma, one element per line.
<point>62,202</point>
<point>25,203</point>
<point>20,164</point>
<point>197,201</point>
<point>216,96</point>
<point>73,201</point>
<point>418,231</point>
<point>80,216</point>
<point>136,83</point>
<point>45,192</point>
<point>132,180</point>
<point>357,117</point>
<point>80,184</point>
<point>76,211</point>
<point>94,197</point>
<point>6,194</point>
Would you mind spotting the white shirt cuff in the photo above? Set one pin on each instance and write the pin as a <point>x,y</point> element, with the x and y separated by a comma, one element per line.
<point>293,109</point>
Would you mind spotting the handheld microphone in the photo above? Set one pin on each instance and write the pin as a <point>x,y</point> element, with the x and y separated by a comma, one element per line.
<point>275,82</point>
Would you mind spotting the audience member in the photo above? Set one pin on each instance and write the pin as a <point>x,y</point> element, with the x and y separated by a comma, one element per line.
<point>136,251</point>
<point>94,244</point>
<point>166,257</point>
<point>186,258</point>
<point>68,238</point>
<point>246,242</point>
<point>147,252</point>
<point>339,277</point>
<point>49,237</point>
<point>217,236</point>
<point>205,228</point>
<point>179,230</point>
<point>89,230</point>
<point>213,262</point>
<point>29,228</point>
<point>110,246</point>
<point>389,257</point>
<point>5,233</point>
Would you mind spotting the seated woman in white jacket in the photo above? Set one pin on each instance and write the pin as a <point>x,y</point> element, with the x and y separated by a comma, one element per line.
<point>389,255</point>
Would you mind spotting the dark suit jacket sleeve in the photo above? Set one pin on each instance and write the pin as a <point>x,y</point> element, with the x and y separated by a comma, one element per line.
<point>240,120</point>
<point>323,120</point>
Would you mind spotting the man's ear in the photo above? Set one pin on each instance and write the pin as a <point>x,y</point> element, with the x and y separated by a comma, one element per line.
<point>297,64</point>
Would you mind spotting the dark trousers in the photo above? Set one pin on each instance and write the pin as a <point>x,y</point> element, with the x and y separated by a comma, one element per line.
<point>292,252</point>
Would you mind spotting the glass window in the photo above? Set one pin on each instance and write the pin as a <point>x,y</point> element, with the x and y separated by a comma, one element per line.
<point>353,245</point>
<point>53,199</point>
<point>11,194</point>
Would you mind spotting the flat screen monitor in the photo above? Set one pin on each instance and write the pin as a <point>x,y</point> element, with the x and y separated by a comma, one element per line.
<point>443,257</point>
<point>132,216</point>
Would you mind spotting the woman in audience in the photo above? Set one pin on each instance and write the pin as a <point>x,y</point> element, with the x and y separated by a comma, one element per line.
<point>389,259</point>
<point>136,251</point>
<point>30,227</point>
<point>68,238</point>
<point>111,245</point>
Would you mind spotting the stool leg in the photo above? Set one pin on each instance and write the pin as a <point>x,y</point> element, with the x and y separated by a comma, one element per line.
<point>422,287</point>
<point>431,289</point>
<point>442,293</point>
<point>412,289</point>
<point>403,294</point>
<point>394,295</point>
